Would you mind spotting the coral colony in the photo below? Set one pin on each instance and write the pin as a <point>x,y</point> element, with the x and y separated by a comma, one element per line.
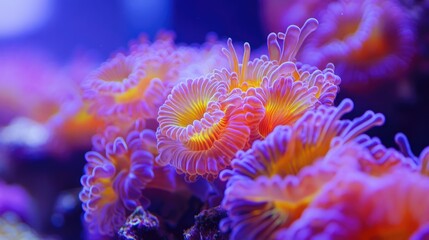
<point>259,141</point>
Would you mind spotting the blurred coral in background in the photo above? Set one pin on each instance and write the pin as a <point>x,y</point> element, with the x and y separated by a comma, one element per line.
<point>182,133</point>
<point>369,41</point>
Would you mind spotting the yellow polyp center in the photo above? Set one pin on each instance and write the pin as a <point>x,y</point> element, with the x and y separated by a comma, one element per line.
<point>271,119</point>
<point>82,124</point>
<point>133,94</point>
<point>279,112</point>
<point>121,162</point>
<point>108,195</point>
<point>82,117</point>
<point>205,139</point>
<point>299,155</point>
<point>346,28</point>
<point>374,48</point>
<point>195,111</point>
<point>275,116</point>
<point>250,83</point>
<point>293,210</point>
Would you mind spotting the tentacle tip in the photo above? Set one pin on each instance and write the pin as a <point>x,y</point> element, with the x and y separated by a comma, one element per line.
<point>346,104</point>
<point>290,29</point>
<point>380,119</point>
<point>246,46</point>
<point>400,138</point>
<point>225,175</point>
<point>330,65</point>
<point>312,22</point>
<point>229,42</point>
<point>271,37</point>
<point>424,160</point>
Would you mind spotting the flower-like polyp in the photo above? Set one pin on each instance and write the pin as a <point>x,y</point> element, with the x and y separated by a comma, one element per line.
<point>283,48</point>
<point>265,205</point>
<point>259,208</point>
<point>279,63</point>
<point>279,90</point>
<point>286,99</point>
<point>113,181</point>
<point>290,148</point>
<point>124,88</point>
<point>369,41</point>
<point>279,163</point>
<point>201,127</point>
<point>73,125</point>
<point>357,206</point>
<point>173,63</point>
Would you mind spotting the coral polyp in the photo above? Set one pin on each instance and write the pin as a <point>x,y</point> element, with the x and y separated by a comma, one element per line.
<point>122,88</point>
<point>113,182</point>
<point>259,208</point>
<point>182,116</point>
<point>355,206</point>
<point>288,149</point>
<point>277,161</point>
<point>368,41</point>
<point>244,139</point>
<point>279,89</point>
<point>201,128</point>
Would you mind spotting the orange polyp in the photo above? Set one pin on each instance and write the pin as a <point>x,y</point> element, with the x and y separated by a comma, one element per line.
<point>373,49</point>
<point>82,122</point>
<point>301,154</point>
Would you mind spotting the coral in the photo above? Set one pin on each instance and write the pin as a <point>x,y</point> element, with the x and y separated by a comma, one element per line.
<point>269,185</point>
<point>288,149</point>
<point>278,89</point>
<point>266,128</point>
<point>52,100</point>
<point>279,63</point>
<point>122,88</point>
<point>72,126</point>
<point>258,208</point>
<point>113,182</point>
<point>200,131</point>
<point>356,206</point>
<point>368,41</point>
<point>284,102</point>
